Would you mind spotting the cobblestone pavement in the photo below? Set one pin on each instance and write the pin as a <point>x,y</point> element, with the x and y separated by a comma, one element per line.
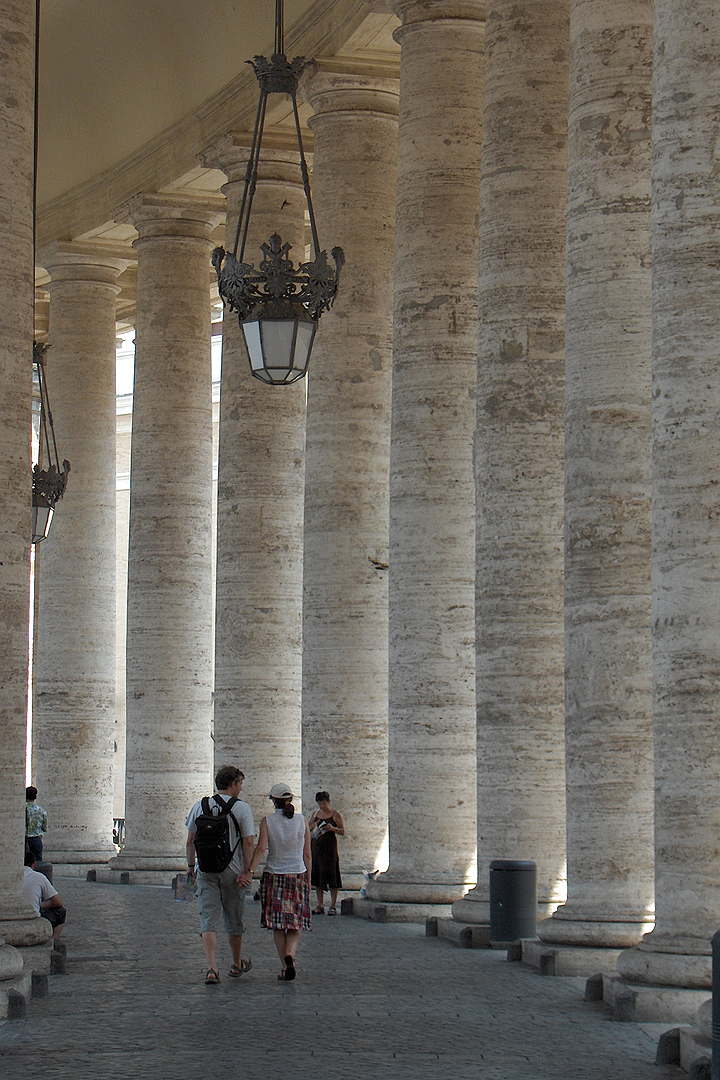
<point>371,1001</point>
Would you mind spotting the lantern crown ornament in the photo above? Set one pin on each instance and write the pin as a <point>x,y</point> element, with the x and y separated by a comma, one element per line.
<point>278,303</point>
<point>48,483</point>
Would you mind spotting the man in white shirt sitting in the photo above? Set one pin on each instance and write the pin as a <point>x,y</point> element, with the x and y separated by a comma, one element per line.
<point>43,896</point>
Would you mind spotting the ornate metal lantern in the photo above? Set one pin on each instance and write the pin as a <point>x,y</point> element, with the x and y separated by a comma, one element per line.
<point>278,305</point>
<point>48,484</point>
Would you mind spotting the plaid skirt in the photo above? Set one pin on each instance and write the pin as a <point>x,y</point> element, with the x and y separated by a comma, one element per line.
<point>285,902</point>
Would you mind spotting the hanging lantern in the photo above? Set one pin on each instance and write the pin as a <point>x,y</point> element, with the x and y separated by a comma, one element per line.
<point>48,484</point>
<point>279,305</point>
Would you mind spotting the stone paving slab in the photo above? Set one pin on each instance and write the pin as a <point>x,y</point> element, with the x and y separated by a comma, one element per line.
<point>371,1001</point>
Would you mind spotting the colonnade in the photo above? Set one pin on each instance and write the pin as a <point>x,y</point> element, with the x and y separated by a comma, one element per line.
<point>517,681</point>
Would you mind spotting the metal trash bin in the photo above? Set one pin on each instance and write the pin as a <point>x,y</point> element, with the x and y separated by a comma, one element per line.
<point>513,901</point>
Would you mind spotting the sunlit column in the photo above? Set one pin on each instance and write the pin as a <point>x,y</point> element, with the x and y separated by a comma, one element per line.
<point>431,720</point>
<point>345,622</point>
<point>260,506</point>
<point>686,510</point>
<point>608,721</point>
<point>75,661</point>
<point>169,621</point>
<point>519,449</point>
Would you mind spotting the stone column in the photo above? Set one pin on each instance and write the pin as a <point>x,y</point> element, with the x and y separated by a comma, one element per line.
<point>519,449</point>
<point>345,615</point>
<point>19,925</point>
<point>431,719</point>
<point>607,481</point>
<point>169,637</point>
<point>75,662</point>
<point>258,651</point>
<point>686,481</point>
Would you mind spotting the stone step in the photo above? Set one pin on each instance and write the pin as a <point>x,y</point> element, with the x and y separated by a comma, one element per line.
<point>132,877</point>
<point>463,935</point>
<point>379,912</point>
<point>566,960</point>
<point>647,1004</point>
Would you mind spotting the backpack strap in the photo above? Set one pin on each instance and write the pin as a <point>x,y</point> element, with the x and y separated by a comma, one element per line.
<point>225,808</point>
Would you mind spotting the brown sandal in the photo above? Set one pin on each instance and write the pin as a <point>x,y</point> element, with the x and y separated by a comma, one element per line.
<point>245,964</point>
<point>212,977</point>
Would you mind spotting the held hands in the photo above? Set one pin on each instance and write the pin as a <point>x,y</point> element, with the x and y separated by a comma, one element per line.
<point>244,880</point>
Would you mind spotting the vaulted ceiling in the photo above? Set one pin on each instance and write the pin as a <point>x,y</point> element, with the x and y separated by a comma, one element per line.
<point>132,91</point>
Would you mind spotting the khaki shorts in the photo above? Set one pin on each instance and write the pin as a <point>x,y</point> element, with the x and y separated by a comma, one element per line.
<point>220,894</point>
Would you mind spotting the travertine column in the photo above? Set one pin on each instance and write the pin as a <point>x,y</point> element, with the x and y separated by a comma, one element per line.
<point>345,619</point>
<point>519,449</point>
<point>686,486</point>
<point>607,480</point>
<point>75,660</point>
<point>169,671</point>
<point>431,717</point>
<point>260,507</point>
<point>18,923</point>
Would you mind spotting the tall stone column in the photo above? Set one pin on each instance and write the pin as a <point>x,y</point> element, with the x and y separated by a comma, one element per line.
<point>169,636</point>
<point>19,925</point>
<point>431,719</point>
<point>75,660</point>
<point>686,481</point>
<point>258,649</point>
<point>607,481</point>
<point>345,619</point>
<point>519,449</point>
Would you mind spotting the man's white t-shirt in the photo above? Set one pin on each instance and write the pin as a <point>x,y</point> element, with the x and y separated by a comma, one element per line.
<point>241,824</point>
<point>36,887</point>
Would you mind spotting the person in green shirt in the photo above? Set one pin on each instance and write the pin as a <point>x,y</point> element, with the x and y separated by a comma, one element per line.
<point>36,823</point>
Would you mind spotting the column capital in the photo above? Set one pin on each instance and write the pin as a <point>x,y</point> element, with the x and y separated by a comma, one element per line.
<point>411,12</point>
<point>85,261</point>
<point>173,214</point>
<point>279,159</point>
<point>338,85</point>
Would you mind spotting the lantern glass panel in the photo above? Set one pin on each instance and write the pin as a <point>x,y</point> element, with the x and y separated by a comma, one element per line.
<point>305,336</point>
<point>42,516</point>
<point>251,330</point>
<point>278,337</point>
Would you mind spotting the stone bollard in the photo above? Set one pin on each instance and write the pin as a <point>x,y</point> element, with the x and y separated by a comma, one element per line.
<point>58,958</point>
<point>45,868</point>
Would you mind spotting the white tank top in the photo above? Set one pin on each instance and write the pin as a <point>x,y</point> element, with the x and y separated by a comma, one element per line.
<point>286,840</point>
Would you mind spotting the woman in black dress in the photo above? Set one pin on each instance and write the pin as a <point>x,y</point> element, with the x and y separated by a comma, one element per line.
<point>325,826</point>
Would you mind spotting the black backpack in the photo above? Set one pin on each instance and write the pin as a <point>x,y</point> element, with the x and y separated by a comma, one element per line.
<point>212,836</point>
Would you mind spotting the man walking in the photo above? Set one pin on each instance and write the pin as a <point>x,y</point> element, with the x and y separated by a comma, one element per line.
<point>224,847</point>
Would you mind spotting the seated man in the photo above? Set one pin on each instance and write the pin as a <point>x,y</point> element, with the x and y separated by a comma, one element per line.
<point>40,894</point>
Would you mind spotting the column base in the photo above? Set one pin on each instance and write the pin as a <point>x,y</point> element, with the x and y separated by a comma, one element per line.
<point>594,933</point>
<point>389,890</point>
<point>101,856</point>
<point>128,860</point>
<point>25,932</point>
<point>647,966</point>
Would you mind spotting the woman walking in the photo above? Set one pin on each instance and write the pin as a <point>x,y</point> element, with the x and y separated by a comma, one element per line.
<point>325,827</point>
<point>284,886</point>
